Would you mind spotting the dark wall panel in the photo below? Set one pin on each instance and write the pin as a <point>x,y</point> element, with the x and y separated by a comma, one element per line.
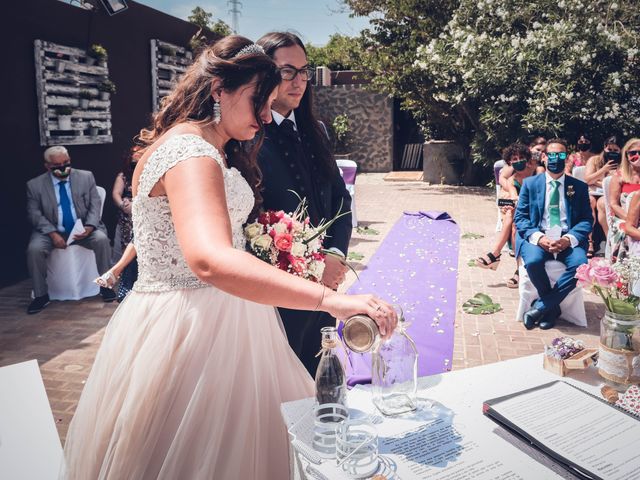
<point>126,37</point>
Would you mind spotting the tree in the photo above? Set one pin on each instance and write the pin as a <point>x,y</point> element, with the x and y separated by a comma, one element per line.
<point>489,72</point>
<point>340,53</point>
<point>203,19</point>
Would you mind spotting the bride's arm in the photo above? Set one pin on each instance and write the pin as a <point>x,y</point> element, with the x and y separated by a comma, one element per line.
<point>195,190</point>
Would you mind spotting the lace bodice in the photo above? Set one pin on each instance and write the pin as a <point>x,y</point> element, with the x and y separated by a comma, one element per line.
<point>161,265</point>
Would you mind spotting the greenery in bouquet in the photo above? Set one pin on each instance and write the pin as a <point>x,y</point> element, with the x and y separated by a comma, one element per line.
<point>612,282</point>
<point>289,241</point>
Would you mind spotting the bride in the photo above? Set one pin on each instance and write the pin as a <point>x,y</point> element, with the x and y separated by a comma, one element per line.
<point>193,366</point>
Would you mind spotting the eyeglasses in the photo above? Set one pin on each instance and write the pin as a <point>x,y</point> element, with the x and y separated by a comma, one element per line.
<point>289,73</point>
<point>633,153</point>
<point>557,155</point>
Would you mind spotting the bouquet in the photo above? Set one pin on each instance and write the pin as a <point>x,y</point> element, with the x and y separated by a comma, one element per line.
<point>289,241</point>
<point>613,282</point>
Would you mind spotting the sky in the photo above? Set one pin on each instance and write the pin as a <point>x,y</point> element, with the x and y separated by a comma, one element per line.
<point>315,21</point>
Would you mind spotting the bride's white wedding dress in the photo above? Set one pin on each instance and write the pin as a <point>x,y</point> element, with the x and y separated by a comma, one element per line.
<point>188,381</point>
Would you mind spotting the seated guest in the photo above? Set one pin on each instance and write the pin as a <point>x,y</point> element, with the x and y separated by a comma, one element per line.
<point>632,225</point>
<point>598,168</point>
<point>622,186</point>
<point>536,147</point>
<point>122,196</point>
<point>517,156</point>
<point>549,204</point>
<point>55,200</point>
<point>581,156</point>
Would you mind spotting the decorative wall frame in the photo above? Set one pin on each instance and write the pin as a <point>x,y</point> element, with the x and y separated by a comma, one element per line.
<point>168,62</point>
<point>67,79</point>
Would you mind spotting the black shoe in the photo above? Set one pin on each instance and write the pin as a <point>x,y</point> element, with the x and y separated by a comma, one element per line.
<point>549,320</point>
<point>532,317</point>
<point>108,295</point>
<point>38,304</point>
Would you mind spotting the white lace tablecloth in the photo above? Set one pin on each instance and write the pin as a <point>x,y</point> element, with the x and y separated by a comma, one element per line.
<point>457,398</point>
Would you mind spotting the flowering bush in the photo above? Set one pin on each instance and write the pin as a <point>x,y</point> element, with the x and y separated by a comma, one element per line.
<point>612,282</point>
<point>501,70</point>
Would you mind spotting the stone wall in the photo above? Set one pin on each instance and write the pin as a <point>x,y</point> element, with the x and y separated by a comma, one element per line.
<point>370,118</point>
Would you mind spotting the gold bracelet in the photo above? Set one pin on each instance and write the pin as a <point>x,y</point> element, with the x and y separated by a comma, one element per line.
<point>321,299</point>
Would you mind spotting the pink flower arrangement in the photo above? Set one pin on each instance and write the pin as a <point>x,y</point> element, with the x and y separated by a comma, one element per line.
<point>610,282</point>
<point>289,241</point>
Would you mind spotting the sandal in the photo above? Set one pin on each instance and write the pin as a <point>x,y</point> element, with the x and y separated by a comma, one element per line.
<point>106,280</point>
<point>514,281</point>
<point>491,264</point>
<point>590,251</point>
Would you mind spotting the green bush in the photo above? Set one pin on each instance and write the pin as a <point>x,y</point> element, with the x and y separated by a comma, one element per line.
<point>500,70</point>
<point>98,52</point>
<point>64,111</point>
<point>107,86</point>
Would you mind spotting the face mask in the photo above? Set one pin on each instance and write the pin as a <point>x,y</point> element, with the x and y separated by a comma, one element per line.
<point>583,147</point>
<point>61,171</point>
<point>612,156</point>
<point>556,162</point>
<point>519,166</point>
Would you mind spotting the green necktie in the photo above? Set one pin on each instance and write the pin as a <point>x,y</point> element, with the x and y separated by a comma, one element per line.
<point>554,204</point>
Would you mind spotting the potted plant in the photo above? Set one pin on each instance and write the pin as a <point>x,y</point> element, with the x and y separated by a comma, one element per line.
<point>167,51</point>
<point>341,131</point>
<point>64,117</point>
<point>619,352</point>
<point>94,127</point>
<point>106,89</point>
<point>59,65</point>
<point>97,53</point>
<point>85,96</point>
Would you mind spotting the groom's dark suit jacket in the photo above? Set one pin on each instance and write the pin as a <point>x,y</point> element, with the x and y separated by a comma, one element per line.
<point>288,163</point>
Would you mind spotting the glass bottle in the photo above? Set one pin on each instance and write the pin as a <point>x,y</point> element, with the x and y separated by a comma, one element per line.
<point>331,381</point>
<point>394,375</point>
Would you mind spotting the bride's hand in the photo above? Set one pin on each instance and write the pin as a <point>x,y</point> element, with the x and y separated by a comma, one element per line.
<point>107,279</point>
<point>343,306</point>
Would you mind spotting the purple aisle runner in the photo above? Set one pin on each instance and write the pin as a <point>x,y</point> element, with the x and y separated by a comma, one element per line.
<point>416,266</point>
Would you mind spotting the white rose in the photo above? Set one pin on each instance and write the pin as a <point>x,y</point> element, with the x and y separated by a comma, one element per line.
<point>252,230</point>
<point>316,269</point>
<point>262,241</point>
<point>298,249</point>
<point>280,228</point>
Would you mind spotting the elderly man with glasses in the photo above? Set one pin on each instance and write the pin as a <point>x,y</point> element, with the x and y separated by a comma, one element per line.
<point>553,221</point>
<point>296,157</point>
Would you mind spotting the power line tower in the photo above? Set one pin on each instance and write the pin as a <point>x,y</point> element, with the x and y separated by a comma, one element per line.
<point>234,10</point>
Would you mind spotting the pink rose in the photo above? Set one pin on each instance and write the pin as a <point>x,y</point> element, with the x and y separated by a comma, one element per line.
<point>604,275</point>
<point>583,274</point>
<point>298,264</point>
<point>283,242</point>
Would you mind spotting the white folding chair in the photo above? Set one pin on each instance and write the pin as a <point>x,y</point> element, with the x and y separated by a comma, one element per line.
<point>348,170</point>
<point>71,272</point>
<point>578,172</point>
<point>497,167</point>
<point>572,307</point>
<point>606,185</point>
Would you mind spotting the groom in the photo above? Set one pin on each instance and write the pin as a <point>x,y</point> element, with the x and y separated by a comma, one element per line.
<point>296,156</point>
<point>553,221</point>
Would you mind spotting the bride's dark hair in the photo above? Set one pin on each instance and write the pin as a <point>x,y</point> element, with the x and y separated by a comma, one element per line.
<point>191,100</point>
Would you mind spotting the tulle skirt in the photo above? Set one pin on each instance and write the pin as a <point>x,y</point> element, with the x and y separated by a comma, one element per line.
<point>187,384</point>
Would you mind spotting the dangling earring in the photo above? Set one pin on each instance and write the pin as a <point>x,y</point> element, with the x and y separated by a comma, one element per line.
<point>217,114</point>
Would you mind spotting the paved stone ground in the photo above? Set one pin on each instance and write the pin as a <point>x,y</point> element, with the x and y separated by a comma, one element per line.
<point>64,337</point>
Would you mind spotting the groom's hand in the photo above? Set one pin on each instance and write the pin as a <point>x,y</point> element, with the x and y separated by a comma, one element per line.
<point>334,272</point>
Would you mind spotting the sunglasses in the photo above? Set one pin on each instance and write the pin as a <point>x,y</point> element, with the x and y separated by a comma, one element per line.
<point>557,155</point>
<point>289,73</point>
<point>633,153</point>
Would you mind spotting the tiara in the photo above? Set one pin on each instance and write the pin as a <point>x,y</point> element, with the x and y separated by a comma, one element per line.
<point>249,50</point>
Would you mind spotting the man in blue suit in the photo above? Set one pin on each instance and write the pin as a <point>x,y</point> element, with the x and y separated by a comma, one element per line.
<point>553,221</point>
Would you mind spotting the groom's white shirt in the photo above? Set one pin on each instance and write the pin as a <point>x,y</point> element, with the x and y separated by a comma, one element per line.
<point>280,118</point>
